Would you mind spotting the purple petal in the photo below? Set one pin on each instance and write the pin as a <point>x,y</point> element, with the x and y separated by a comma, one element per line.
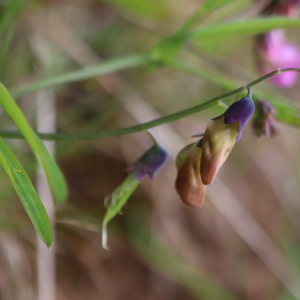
<point>130,168</point>
<point>140,173</point>
<point>240,111</point>
<point>157,163</point>
<point>150,163</point>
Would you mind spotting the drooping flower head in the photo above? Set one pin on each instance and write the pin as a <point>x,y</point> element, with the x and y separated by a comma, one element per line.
<point>275,52</point>
<point>264,122</point>
<point>188,183</point>
<point>220,136</point>
<point>150,163</point>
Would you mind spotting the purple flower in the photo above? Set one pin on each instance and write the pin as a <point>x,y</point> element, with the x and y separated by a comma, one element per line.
<point>275,52</point>
<point>264,122</point>
<point>220,136</point>
<point>240,111</point>
<point>150,163</point>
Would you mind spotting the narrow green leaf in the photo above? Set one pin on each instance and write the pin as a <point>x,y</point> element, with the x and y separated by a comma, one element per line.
<point>116,201</point>
<point>54,176</point>
<point>27,194</point>
<point>106,67</point>
<point>244,27</point>
<point>9,12</point>
<point>145,7</point>
<point>209,5</point>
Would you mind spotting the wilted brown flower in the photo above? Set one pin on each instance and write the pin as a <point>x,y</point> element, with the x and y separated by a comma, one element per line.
<point>188,184</point>
<point>264,122</point>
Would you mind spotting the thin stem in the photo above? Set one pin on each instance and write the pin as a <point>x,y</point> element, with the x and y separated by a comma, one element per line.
<point>142,127</point>
<point>249,92</point>
<point>151,137</point>
<point>198,135</point>
<point>223,104</point>
<point>191,21</point>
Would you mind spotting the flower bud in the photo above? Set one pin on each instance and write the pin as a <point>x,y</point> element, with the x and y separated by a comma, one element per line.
<point>264,122</point>
<point>150,163</point>
<point>220,136</point>
<point>218,141</point>
<point>188,183</point>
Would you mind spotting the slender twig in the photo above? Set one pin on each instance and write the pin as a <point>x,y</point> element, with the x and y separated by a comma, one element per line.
<point>142,127</point>
<point>223,104</point>
<point>151,137</point>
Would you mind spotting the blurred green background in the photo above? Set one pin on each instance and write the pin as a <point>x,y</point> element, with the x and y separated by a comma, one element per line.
<point>242,244</point>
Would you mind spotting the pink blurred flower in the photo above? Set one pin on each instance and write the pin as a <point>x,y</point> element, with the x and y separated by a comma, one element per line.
<point>275,52</point>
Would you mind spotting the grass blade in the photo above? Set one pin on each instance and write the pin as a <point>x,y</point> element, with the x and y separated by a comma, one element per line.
<point>245,27</point>
<point>54,176</point>
<point>106,67</point>
<point>27,194</point>
<point>210,6</point>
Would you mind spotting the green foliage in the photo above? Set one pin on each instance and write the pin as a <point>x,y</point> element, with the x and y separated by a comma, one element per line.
<point>27,194</point>
<point>10,13</point>
<point>167,49</point>
<point>145,7</point>
<point>245,27</point>
<point>116,201</point>
<point>209,6</point>
<point>54,176</point>
<point>107,67</point>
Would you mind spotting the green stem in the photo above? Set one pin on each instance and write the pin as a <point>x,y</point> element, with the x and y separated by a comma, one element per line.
<point>191,21</point>
<point>142,127</point>
<point>151,137</point>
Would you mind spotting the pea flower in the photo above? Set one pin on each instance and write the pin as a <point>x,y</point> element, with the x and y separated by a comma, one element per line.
<point>264,122</point>
<point>188,184</point>
<point>198,163</point>
<point>275,52</point>
<point>150,163</point>
<point>221,134</point>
